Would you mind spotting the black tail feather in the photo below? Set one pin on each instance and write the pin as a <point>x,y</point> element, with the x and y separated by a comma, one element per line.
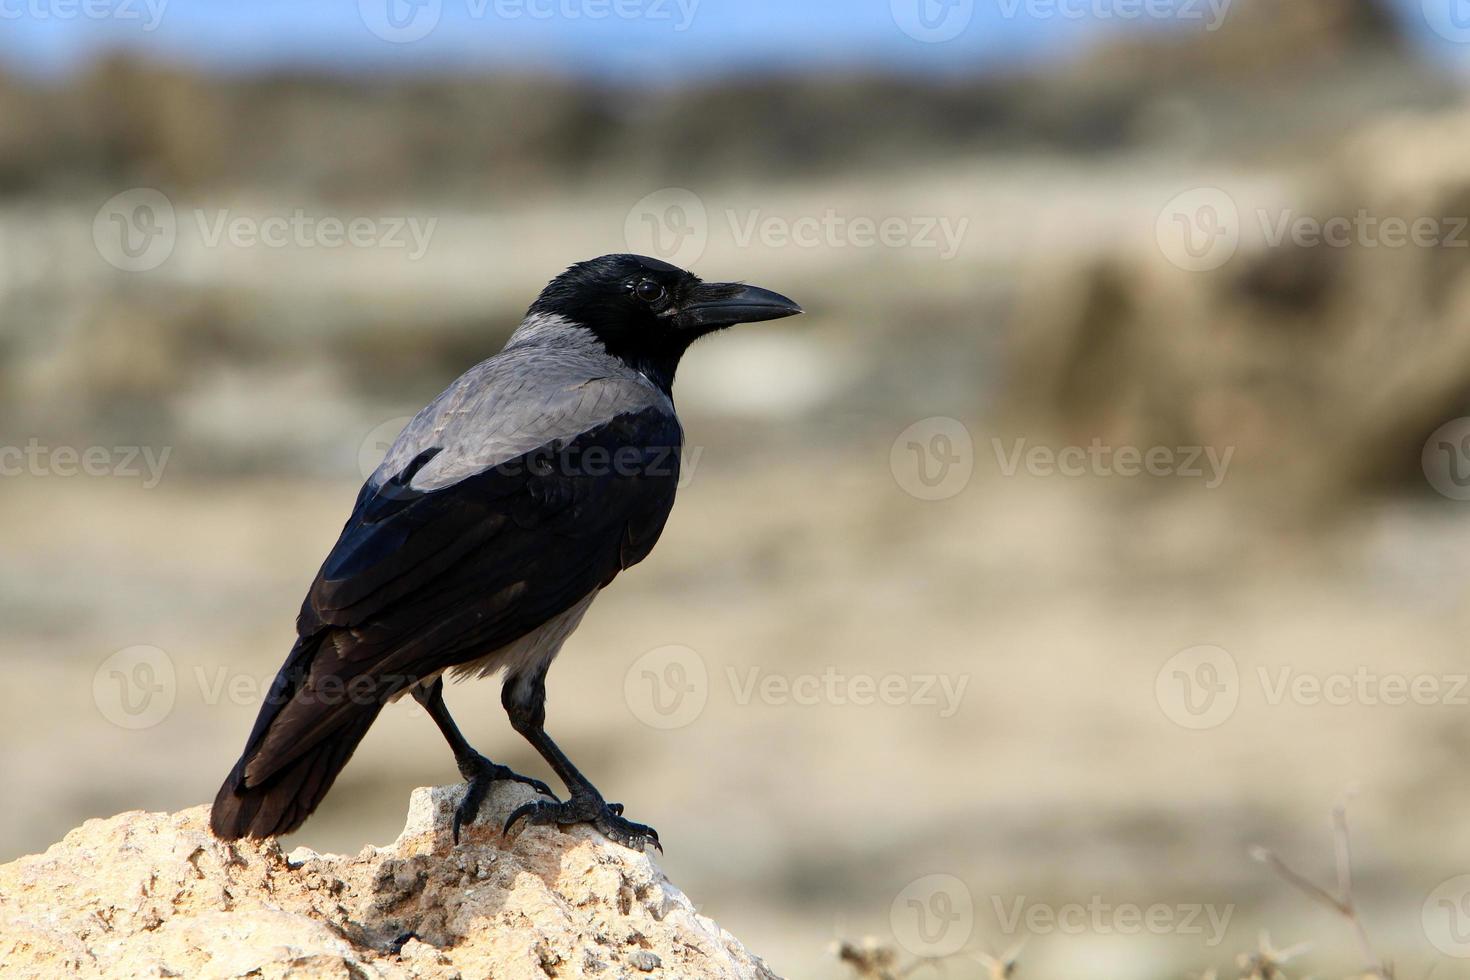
<point>281,802</point>
<point>284,801</point>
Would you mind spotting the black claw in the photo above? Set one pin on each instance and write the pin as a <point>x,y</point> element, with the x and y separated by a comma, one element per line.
<point>520,812</point>
<point>606,817</point>
<point>468,809</point>
<point>482,768</point>
<point>481,774</point>
<point>535,784</point>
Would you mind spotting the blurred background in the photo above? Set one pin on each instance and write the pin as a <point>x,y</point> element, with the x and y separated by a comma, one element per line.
<point>1103,518</point>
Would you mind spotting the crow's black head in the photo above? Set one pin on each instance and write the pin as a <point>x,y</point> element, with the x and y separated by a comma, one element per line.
<point>648,312</point>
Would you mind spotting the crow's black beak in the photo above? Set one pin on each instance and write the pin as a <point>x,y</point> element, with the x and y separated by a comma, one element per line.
<point>720,304</point>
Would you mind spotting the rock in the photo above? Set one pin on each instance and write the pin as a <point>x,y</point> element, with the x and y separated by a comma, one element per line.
<point>156,895</point>
<point>1323,350</point>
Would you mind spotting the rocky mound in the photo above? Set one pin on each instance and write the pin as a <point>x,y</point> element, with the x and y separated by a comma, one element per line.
<point>1324,343</point>
<point>154,894</point>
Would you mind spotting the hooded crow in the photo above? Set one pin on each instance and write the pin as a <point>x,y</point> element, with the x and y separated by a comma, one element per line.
<point>478,544</point>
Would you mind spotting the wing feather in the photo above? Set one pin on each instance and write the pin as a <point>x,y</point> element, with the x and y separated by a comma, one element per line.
<point>424,580</point>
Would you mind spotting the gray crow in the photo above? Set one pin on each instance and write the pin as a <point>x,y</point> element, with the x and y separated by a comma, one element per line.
<point>481,540</point>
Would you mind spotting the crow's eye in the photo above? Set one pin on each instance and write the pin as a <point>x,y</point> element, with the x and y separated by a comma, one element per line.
<point>649,291</point>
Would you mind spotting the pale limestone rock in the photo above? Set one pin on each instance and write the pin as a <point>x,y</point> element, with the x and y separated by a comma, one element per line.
<point>155,895</point>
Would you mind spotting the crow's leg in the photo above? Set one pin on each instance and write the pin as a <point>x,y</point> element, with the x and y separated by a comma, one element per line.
<point>478,771</point>
<point>524,697</point>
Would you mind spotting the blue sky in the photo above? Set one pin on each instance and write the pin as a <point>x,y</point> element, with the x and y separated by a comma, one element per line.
<point>657,40</point>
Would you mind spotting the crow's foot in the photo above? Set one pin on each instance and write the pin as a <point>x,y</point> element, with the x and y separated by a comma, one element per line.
<point>606,817</point>
<point>480,774</point>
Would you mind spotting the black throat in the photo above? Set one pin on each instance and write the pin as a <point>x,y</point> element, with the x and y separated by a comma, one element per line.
<point>657,364</point>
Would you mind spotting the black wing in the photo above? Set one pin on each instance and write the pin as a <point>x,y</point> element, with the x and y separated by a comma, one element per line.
<point>419,582</point>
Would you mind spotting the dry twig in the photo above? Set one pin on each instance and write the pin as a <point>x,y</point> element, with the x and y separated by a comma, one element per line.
<point>1342,902</point>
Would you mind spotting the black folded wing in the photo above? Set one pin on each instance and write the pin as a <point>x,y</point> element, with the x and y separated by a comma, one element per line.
<point>424,580</point>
